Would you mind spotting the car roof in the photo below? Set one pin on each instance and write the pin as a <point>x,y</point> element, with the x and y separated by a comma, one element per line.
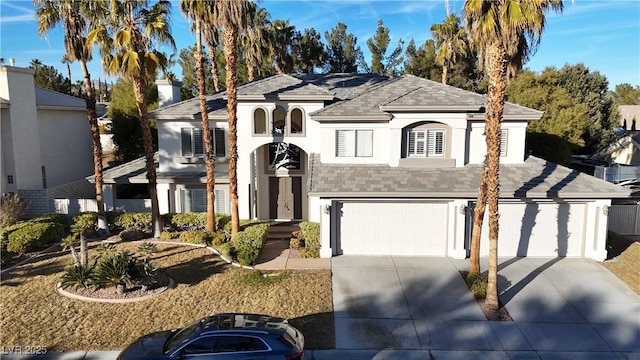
<point>242,322</point>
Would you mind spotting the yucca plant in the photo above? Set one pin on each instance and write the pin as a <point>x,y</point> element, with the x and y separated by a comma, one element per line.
<point>78,276</point>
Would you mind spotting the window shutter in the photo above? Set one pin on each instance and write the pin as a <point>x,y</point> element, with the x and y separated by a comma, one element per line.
<point>219,143</point>
<point>345,143</point>
<point>421,143</point>
<point>185,135</point>
<point>221,201</point>
<point>364,143</point>
<point>503,142</point>
<point>199,200</point>
<point>186,201</point>
<point>198,142</point>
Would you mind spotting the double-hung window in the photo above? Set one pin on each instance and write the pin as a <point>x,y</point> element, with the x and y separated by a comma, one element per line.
<point>193,142</point>
<point>426,143</point>
<point>354,143</point>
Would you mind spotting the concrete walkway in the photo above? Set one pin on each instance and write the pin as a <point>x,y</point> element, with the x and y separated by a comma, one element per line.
<point>558,306</point>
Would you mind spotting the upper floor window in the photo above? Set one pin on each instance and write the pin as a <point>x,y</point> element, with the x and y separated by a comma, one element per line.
<point>296,121</point>
<point>193,142</point>
<point>279,120</point>
<point>504,133</point>
<point>426,143</point>
<point>260,124</point>
<point>354,143</point>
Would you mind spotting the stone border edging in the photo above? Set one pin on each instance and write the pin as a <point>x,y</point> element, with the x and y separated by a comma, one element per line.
<point>113,301</point>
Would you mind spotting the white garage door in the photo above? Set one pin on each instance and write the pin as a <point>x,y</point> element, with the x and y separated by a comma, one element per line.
<point>384,228</point>
<point>533,229</point>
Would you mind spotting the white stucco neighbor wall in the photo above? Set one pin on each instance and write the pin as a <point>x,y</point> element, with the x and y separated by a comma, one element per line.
<point>517,133</point>
<point>16,86</point>
<point>65,144</point>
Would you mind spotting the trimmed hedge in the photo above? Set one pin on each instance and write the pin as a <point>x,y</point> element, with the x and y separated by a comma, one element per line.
<point>51,218</point>
<point>248,243</point>
<point>244,223</point>
<point>311,235</point>
<point>196,237</point>
<point>192,221</point>
<point>33,234</point>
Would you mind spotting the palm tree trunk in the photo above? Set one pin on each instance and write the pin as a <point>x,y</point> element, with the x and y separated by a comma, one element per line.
<point>90,101</point>
<point>214,68</point>
<point>495,106</point>
<point>229,41</point>
<point>69,78</point>
<point>445,74</point>
<point>138,90</point>
<point>209,160</point>
<point>478,219</point>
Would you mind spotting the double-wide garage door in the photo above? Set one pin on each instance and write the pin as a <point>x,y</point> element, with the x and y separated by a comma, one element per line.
<point>391,228</point>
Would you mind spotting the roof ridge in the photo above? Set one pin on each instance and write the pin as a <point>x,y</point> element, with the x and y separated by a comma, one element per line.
<point>367,91</point>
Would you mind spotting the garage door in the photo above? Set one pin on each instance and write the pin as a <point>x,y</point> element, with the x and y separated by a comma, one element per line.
<point>533,229</point>
<point>385,228</point>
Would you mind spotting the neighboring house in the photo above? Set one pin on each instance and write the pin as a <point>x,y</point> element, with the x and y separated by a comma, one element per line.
<point>387,166</point>
<point>45,141</point>
<point>629,116</point>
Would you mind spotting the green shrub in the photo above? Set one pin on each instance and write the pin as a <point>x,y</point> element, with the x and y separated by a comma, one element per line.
<point>227,250</point>
<point>132,234</point>
<point>196,237</point>
<point>222,220</point>
<point>5,255</point>
<point>308,252</point>
<point>85,224</point>
<point>12,209</point>
<point>477,283</point>
<point>244,223</point>
<point>295,243</point>
<point>52,217</point>
<point>169,235</point>
<point>78,276</point>
<point>125,220</point>
<point>249,243</point>
<point>310,234</point>
<point>218,238</point>
<point>189,221</point>
<point>33,235</point>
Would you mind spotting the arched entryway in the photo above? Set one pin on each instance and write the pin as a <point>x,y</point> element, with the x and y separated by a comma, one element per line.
<point>281,172</point>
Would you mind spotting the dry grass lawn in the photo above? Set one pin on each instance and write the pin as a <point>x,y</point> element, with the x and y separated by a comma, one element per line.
<point>34,314</point>
<point>627,253</point>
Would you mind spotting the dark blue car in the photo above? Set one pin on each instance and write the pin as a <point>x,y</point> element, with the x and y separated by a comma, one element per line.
<point>223,336</point>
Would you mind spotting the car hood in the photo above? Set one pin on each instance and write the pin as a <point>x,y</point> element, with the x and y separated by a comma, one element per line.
<point>147,346</point>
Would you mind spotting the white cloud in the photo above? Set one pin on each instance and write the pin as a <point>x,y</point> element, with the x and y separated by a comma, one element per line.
<point>22,14</point>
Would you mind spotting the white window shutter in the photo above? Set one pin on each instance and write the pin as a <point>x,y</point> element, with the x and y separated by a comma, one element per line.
<point>221,201</point>
<point>345,143</point>
<point>186,200</point>
<point>504,133</point>
<point>185,135</point>
<point>364,143</point>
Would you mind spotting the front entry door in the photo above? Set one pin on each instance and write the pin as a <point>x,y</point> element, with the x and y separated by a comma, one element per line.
<point>285,194</point>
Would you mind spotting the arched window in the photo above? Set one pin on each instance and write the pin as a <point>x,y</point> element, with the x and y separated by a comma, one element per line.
<point>296,119</point>
<point>279,120</point>
<point>259,121</point>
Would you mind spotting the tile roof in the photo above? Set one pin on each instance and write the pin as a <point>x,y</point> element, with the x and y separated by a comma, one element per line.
<point>410,93</point>
<point>343,85</point>
<point>50,98</point>
<point>281,85</point>
<point>536,178</point>
<point>135,171</point>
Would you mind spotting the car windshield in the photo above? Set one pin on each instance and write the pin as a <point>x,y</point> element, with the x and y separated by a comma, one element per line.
<point>179,337</point>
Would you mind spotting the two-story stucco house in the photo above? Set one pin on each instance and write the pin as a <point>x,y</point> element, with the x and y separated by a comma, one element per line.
<point>387,166</point>
<point>45,141</point>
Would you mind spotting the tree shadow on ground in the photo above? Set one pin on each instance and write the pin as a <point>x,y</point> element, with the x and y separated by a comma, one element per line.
<point>617,244</point>
<point>206,265</point>
<point>321,326</point>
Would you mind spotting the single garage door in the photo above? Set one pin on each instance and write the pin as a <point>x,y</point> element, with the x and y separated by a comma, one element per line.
<point>538,229</point>
<point>388,228</point>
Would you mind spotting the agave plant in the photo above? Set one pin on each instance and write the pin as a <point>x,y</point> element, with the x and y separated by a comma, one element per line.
<point>79,276</point>
<point>105,249</point>
<point>147,248</point>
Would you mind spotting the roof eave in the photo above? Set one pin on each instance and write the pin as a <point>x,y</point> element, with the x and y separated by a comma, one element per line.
<point>61,108</point>
<point>357,119</point>
<point>404,108</point>
<point>327,97</point>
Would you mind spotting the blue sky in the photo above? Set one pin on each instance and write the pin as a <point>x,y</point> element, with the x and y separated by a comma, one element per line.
<point>604,35</point>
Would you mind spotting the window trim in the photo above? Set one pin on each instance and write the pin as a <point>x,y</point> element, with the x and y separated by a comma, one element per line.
<point>426,154</point>
<point>193,139</point>
<point>267,122</point>
<point>356,154</point>
<point>289,122</point>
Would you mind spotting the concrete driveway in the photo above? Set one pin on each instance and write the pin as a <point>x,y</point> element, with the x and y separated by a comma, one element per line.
<point>422,303</point>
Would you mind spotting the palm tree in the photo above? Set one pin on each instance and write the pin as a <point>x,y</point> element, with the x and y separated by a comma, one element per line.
<point>507,32</point>
<point>451,42</point>
<point>231,15</point>
<point>255,39</point>
<point>67,61</point>
<point>77,18</point>
<point>212,39</point>
<point>127,41</point>
<point>198,12</point>
<point>281,39</point>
